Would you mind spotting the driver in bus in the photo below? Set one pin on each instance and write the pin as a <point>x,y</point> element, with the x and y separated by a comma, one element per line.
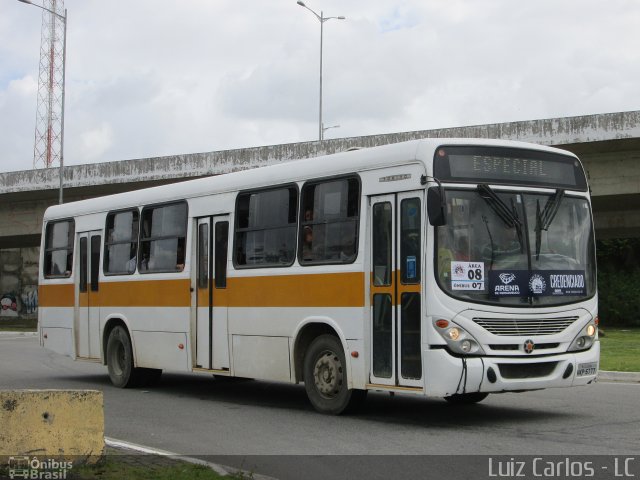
<point>461,251</point>
<point>307,243</point>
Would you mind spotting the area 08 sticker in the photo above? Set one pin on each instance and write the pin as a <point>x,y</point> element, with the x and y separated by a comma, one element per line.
<point>467,275</point>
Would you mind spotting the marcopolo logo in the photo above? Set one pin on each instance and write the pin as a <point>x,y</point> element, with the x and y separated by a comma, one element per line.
<point>529,346</point>
<point>35,469</point>
<point>537,284</point>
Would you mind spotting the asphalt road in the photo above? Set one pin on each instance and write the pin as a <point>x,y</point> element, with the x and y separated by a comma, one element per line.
<point>270,428</point>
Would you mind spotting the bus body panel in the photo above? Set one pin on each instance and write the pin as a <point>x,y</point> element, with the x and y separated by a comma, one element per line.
<point>165,350</point>
<point>448,375</point>
<point>273,353</point>
<point>57,339</point>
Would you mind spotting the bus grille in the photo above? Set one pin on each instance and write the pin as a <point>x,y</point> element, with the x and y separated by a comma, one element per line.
<point>528,370</point>
<point>525,326</point>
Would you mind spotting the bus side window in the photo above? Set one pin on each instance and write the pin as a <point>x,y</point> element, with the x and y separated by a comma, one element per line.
<point>83,265</point>
<point>265,231</point>
<point>58,249</point>
<point>95,261</point>
<point>163,238</point>
<point>329,224</point>
<point>221,242</point>
<point>121,243</point>
<point>203,256</point>
<point>410,238</point>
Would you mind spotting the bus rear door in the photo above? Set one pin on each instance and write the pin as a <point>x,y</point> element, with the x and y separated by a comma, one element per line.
<point>88,318</point>
<point>212,343</point>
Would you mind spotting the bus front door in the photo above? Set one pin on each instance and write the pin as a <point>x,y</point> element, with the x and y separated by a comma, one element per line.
<point>212,344</point>
<point>88,309</point>
<point>397,237</point>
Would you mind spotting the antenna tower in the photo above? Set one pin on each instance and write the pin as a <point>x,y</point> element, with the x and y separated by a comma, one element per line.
<point>48,136</point>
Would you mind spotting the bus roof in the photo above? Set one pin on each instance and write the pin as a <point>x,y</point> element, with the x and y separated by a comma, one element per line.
<point>288,171</point>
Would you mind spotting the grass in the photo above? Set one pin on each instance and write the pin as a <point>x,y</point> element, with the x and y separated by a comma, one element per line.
<point>620,350</point>
<point>15,328</point>
<point>114,467</point>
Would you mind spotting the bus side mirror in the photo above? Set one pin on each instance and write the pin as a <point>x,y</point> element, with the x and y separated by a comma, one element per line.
<point>436,206</point>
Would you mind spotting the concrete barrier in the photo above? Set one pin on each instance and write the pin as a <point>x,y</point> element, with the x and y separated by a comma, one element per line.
<point>61,424</point>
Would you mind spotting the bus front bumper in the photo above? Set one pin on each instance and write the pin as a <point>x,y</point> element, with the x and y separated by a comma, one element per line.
<point>448,375</point>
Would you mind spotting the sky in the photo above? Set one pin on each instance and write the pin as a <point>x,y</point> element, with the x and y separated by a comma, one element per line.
<point>148,78</point>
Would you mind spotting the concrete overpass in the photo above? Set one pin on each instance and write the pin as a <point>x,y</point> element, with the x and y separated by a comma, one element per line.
<point>608,144</point>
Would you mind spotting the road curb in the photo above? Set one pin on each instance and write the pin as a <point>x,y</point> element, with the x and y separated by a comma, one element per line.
<point>220,469</point>
<point>624,377</point>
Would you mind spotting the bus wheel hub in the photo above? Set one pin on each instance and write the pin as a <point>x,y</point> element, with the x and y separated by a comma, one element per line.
<point>328,374</point>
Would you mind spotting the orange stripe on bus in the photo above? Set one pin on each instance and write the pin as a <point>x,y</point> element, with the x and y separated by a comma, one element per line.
<point>319,290</point>
<point>391,290</point>
<point>149,293</point>
<point>309,290</point>
<point>58,295</point>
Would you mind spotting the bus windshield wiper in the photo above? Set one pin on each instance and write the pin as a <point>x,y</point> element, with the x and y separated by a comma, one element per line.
<point>551,209</point>
<point>517,224</point>
<point>545,218</point>
<point>508,216</point>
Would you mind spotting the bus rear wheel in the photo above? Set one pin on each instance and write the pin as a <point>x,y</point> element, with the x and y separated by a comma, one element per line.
<point>120,359</point>
<point>466,398</point>
<point>325,377</point>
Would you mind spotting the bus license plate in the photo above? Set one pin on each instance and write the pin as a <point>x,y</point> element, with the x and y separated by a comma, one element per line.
<point>585,369</point>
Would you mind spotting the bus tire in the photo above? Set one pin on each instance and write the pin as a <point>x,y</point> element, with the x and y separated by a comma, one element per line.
<point>466,398</point>
<point>325,377</point>
<point>120,359</point>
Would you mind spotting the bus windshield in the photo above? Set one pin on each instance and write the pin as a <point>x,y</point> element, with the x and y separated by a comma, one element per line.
<point>513,248</point>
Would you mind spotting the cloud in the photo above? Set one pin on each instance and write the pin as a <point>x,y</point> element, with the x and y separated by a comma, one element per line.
<point>25,86</point>
<point>147,78</point>
<point>96,142</point>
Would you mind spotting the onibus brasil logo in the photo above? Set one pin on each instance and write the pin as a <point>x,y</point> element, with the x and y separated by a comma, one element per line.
<point>35,469</point>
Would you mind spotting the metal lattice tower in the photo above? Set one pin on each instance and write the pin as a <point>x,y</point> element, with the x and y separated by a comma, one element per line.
<point>48,136</point>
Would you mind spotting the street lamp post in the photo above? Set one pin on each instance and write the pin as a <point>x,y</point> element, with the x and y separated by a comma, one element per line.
<point>64,69</point>
<point>321,18</point>
<point>324,129</point>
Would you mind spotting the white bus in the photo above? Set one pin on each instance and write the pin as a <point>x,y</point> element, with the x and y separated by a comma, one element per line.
<point>446,268</point>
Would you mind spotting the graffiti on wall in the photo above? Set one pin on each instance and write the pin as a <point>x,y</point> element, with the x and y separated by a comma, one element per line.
<point>30,301</point>
<point>18,282</point>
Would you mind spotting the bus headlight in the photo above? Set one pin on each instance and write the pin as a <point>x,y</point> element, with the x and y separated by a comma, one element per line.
<point>453,333</point>
<point>585,338</point>
<point>458,339</point>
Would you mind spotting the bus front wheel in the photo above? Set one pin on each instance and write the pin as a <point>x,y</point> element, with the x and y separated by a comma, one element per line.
<point>120,359</point>
<point>325,377</point>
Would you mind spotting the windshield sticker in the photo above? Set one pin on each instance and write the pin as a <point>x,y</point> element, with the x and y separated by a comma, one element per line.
<point>467,275</point>
<point>512,283</point>
<point>569,282</point>
<point>542,283</point>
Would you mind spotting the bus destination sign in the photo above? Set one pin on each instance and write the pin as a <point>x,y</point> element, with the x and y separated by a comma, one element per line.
<point>523,167</point>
